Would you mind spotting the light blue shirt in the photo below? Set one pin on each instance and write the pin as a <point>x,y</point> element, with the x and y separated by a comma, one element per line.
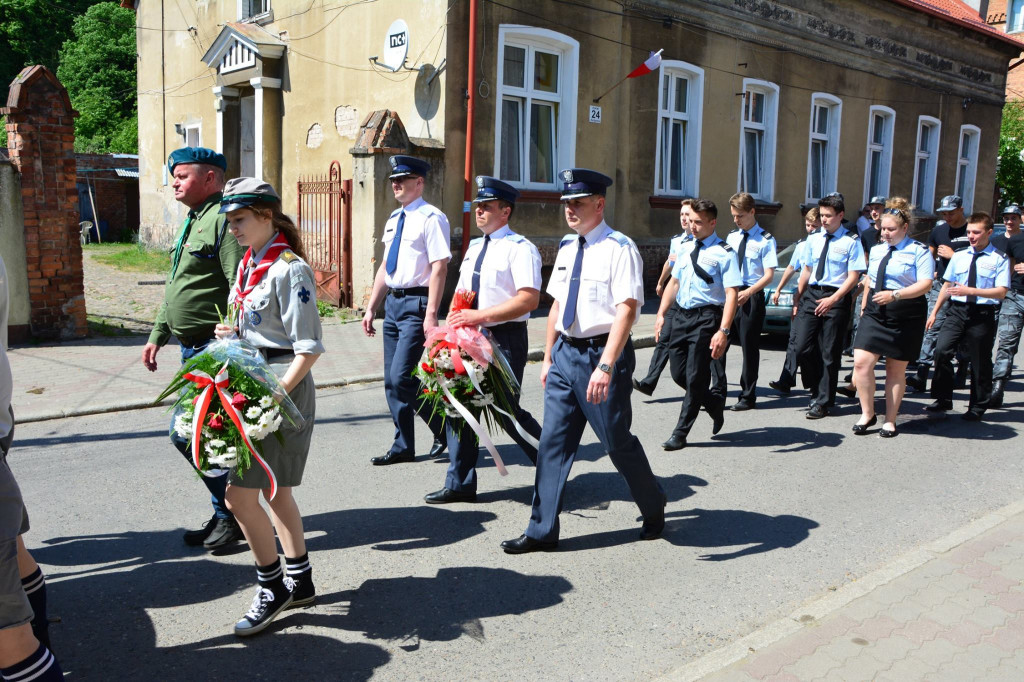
<point>761,253</point>
<point>911,262</point>
<point>845,255</point>
<point>718,260</point>
<point>993,269</point>
<point>676,243</point>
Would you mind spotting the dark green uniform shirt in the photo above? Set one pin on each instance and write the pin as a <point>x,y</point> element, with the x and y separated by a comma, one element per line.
<point>206,272</point>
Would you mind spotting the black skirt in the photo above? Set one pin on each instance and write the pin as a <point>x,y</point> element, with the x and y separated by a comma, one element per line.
<point>894,330</point>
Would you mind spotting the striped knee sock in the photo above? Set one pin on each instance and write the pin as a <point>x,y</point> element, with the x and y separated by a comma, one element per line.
<point>41,666</point>
<point>35,589</point>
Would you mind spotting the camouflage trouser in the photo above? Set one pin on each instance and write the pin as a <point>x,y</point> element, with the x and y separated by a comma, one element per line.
<point>1011,320</point>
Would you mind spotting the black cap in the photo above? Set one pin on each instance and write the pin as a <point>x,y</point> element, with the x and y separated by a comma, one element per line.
<point>581,182</point>
<point>491,189</point>
<point>403,166</point>
<point>877,200</point>
<point>950,202</point>
<point>1011,209</point>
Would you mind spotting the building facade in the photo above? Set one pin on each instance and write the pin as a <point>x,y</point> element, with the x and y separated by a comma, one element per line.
<point>788,100</point>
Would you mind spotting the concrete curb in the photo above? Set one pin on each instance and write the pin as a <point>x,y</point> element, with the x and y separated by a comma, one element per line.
<point>535,354</point>
<point>818,609</point>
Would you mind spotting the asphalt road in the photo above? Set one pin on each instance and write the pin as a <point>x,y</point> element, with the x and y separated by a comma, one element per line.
<point>772,513</point>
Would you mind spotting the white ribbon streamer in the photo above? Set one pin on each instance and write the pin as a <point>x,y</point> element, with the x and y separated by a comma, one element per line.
<point>481,432</point>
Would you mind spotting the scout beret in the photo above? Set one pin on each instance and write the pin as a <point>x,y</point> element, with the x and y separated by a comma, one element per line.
<point>196,155</point>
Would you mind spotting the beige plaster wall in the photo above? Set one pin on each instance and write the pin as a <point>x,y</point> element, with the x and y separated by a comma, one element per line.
<point>12,245</point>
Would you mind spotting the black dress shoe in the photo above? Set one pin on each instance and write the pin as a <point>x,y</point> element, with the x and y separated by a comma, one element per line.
<point>817,412</point>
<point>447,496</point>
<point>194,538</point>
<point>848,391</point>
<point>717,421</point>
<point>525,544</point>
<point>653,527</point>
<point>973,415</point>
<point>998,386</point>
<point>225,532</point>
<point>637,386</point>
<point>674,443</point>
<point>391,458</point>
<point>861,429</point>
<point>742,407</point>
<point>940,406</point>
<point>780,387</point>
<point>438,448</point>
<point>887,433</point>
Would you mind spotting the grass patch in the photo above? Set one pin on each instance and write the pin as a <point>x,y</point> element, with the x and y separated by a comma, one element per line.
<point>100,327</point>
<point>131,257</point>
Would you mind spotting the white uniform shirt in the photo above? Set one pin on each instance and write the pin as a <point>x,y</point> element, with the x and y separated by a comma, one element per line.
<point>426,238</point>
<point>280,312</point>
<point>612,274</point>
<point>510,264</point>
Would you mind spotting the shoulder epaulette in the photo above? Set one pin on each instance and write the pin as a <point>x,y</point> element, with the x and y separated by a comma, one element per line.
<point>917,243</point>
<point>475,240</point>
<point>725,245</point>
<point>516,238</point>
<point>395,212</point>
<point>767,235</point>
<point>567,239</point>
<point>622,239</point>
<point>427,209</point>
<point>288,256</point>
<point>735,231</point>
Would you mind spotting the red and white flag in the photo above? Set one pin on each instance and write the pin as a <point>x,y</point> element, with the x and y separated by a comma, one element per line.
<point>652,64</point>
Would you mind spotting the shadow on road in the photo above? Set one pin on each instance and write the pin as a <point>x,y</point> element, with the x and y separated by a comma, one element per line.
<point>784,438</point>
<point>712,528</point>
<point>596,490</point>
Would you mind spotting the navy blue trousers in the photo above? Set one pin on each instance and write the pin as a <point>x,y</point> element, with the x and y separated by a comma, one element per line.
<point>463,449</point>
<point>403,346</point>
<point>566,414</point>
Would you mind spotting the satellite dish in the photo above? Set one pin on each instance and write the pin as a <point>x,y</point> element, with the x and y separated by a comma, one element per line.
<point>396,45</point>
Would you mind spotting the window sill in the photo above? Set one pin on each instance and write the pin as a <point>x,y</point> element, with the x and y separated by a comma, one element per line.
<point>666,201</point>
<point>259,19</point>
<point>538,196</point>
<point>767,207</point>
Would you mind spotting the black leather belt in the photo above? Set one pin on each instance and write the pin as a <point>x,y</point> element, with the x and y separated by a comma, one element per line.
<point>587,342</point>
<point>818,287</point>
<point>974,306</point>
<point>509,326</point>
<point>195,341</point>
<point>411,291</point>
<point>271,353</point>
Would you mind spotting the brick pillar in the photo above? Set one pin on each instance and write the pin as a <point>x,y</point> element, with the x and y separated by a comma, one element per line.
<point>40,142</point>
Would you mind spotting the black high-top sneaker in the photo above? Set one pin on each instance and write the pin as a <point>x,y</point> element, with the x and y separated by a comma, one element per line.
<point>266,606</point>
<point>302,589</point>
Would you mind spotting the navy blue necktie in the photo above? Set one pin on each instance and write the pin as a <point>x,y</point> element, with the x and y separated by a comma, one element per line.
<point>972,276</point>
<point>476,271</point>
<point>569,316</point>
<point>819,272</point>
<point>392,263</point>
<point>742,255</point>
<point>880,279</point>
<point>697,269</point>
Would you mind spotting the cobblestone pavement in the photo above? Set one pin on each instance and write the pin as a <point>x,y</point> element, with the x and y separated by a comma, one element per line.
<point>952,610</point>
<point>120,299</point>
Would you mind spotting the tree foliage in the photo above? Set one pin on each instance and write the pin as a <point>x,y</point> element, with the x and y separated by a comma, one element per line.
<point>97,66</point>
<point>32,31</point>
<point>1010,175</point>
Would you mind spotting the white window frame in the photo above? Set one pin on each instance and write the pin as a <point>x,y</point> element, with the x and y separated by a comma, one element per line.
<point>694,75</point>
<point>1014,17</point>
<point>531,37</point>
<point>188,127</point>
<point>770,127</point>
<point>970,166</point>
<point>266,16</point>
<point>926,203</point>
<point>885,149</point>
<point>831,139</point>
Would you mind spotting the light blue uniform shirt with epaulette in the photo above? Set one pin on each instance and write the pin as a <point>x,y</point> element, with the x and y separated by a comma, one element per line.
<point>993,270</point>
<point>845,255</point>
<point>718,259</point>
<point>911,262</point>
<point>676,243</point>
<point>761,253</point>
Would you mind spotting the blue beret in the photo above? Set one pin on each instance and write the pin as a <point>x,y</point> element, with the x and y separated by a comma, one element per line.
<point>489,189</point>
<point>196,155</point>
<point>402,166</point>
<point>580,182</point>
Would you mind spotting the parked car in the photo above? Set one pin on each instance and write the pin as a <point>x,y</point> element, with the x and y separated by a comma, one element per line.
<point>778,317</point>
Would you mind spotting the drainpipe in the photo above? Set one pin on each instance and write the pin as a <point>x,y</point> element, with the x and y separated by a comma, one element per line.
<point>467,194</point>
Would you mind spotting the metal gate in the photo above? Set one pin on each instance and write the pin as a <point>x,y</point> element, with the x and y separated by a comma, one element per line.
<point>325,221</point>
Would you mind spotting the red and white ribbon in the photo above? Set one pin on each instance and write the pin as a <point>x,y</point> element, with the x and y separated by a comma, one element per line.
<point>211,386</point>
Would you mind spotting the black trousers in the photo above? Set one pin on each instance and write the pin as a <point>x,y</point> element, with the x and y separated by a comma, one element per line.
<point>790,366</point>
<point>690,357</point>
<point>660,357</point>
<point>825,332</point>
<point>972,329</point>
<point>746,332</point>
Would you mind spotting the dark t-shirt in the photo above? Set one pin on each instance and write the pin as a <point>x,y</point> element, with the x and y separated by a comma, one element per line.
<point>953,237</point>
<point>1013,247</point>
<point>869,237</point>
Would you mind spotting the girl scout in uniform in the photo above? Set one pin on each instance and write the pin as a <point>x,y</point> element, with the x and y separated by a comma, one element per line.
<point>893,310</point>
<point>277,297</point>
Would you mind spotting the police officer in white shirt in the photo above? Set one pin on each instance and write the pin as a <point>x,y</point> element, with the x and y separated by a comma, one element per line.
<point>703,285</point>
<point>832,266</point>
<point>597,285</point>
<point>503,269</point>
<point>416,253</point>
<point>757,256</point>
<point>976,281</point>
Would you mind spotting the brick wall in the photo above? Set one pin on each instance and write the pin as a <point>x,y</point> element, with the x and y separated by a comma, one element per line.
<point>40,143</point>
<point>116,198</point>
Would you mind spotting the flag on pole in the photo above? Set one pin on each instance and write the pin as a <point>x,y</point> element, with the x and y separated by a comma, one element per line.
<point>652,64</point>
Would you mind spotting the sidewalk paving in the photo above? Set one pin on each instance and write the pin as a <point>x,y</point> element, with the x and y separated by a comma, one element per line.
<point>951,610</point>
<point>105,374</point>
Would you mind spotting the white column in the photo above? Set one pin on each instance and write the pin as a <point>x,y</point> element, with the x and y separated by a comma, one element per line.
<point>221,92</point>
<point>258,85</point>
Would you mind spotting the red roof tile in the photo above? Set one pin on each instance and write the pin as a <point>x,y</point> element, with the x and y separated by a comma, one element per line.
<point>960,13</point>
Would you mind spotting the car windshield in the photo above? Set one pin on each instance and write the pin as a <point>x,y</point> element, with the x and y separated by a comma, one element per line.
<point>786,255</point>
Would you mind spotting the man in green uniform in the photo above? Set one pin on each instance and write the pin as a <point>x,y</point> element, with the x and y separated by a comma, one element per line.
<point>204,264</point>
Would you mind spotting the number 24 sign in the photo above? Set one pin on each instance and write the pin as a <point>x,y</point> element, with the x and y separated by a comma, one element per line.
<point>595,114</point>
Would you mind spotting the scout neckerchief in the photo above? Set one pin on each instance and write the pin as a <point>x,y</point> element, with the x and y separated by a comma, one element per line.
<point>277,245</point>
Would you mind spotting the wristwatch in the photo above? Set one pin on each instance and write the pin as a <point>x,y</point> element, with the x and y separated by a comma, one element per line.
<point>724,330</point>
<point>605,367</point>
<point>896,294</point>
